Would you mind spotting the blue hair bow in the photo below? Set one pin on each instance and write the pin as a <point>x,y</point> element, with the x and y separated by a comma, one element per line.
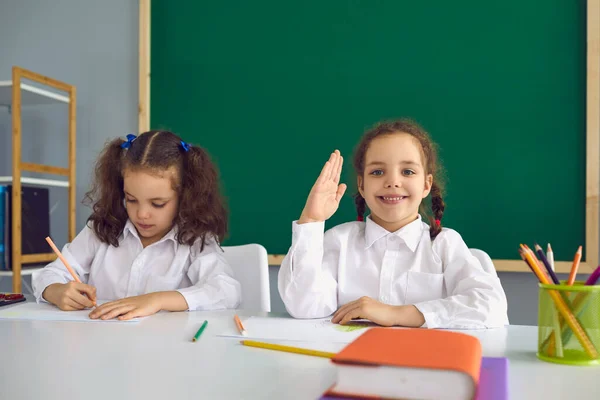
<point>130,139</point>
<point>185,146</point>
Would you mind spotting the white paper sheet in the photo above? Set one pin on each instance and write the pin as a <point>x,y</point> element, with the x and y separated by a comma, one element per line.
<point>289,329</point>
<point>49,312</point>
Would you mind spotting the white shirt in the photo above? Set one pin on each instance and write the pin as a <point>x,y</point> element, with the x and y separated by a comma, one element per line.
<point>323,271</point>
<point>203,277</point>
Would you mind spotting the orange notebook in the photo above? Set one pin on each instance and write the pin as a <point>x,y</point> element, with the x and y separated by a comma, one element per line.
<point>409,364</point>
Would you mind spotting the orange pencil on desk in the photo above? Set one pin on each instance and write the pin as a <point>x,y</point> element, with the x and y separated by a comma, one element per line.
<point>239,325</point>
<point>575,266</point>
<point>64,261</point>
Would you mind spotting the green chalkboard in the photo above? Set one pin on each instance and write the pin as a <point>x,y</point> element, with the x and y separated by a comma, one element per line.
<point>270,88</point>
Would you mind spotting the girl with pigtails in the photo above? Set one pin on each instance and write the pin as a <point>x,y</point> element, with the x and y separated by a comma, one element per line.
<point>153,239</point>
<point>391,267</point>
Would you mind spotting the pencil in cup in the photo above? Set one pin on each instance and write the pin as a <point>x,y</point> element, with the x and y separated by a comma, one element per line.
<point>579,305</point>
<point>556,319</point>
<point>288,349</point>
<point>562,307</point>
<point>65,262</point>
<point>575,266</point>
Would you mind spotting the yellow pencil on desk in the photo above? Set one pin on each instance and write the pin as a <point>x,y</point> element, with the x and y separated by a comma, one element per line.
<point>287,349</point>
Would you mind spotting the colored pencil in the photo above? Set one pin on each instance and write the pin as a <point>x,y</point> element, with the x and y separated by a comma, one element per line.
<point>288,349</point>
<point>202,327</point>
<point>546,264</point>
<point>550,257</point>
<point>65,262</point>
<point>239,325</point>
<point>574,267</point>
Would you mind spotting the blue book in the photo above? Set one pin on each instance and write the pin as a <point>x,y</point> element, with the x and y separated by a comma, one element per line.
<point>3,228</point>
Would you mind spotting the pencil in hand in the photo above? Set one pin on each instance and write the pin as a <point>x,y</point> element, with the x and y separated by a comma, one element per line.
<point>66,263</point>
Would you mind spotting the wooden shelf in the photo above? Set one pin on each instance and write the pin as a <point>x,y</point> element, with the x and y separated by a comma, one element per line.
<point>16,95</point>
<point>36,181</point>
<point>24,271</point>
<point>30,96</point>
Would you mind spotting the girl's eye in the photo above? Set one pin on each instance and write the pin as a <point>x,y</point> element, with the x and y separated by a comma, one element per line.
<point>158,205</point>
<point>131,201</point>
<point>377,172</point>
<point>408,172</point>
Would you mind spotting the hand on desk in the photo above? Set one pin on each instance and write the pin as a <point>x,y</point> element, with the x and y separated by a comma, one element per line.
<point>140,306</point>
<point>380,313</point>
<point>129,307</point>
<point>70,296</point>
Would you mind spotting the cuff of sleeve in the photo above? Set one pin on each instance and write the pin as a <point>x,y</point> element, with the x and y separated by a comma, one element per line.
<point>430,314</point>
<point>198,299</point>
<point>307,236</point>
<point>42,286</point>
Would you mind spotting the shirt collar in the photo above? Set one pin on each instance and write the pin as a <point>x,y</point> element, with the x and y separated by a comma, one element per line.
<point>410,234</point>
<point>171,235</point>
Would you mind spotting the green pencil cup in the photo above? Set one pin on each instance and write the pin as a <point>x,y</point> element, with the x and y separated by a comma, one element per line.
<point>569,324</point>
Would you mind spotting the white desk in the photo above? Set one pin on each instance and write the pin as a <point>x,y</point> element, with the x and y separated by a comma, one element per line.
<point>156,359</point>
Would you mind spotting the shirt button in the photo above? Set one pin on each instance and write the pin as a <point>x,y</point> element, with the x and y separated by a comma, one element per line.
<point>384,298</point>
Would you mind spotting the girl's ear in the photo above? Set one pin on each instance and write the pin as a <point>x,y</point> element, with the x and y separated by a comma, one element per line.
<point>359,184</point>
<point>428,184</point>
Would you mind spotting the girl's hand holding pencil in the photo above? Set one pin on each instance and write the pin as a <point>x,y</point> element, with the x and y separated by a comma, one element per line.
<point>326,193</point>
<point>71,296</point>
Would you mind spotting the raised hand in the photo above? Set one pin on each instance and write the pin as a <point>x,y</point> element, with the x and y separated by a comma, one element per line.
<point>325,195</point>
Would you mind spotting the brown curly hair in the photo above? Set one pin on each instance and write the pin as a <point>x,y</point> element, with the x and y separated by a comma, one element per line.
<point>201,213</point>
<point>430,158</point>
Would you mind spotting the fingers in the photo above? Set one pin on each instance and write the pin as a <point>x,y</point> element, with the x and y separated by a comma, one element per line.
<point>69,304</point>
<point>337,170</point>
<point>334,160</point>
<point>340,192</point>
<point>121,310</point>
<point>83,294</point>
<point>355,313</point>
<point>135,313</point>
<point>339,314</point>
<point>104,309</point>
<point>326,171</point>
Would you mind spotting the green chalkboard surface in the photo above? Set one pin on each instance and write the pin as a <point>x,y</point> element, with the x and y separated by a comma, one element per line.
<point>270,88</point>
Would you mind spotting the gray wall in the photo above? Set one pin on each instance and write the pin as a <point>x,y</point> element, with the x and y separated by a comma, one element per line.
<point>90,44</point>
<point>93,45</point>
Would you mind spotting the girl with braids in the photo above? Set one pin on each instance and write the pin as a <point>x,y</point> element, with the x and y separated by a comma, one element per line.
<point>393,268</point>
<point>152,240</point>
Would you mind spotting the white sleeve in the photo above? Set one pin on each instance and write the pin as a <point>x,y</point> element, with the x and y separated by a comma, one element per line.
<point>307,279</point>
<point>79,253</point>
<point>475,299</point>
<point>213,284</point>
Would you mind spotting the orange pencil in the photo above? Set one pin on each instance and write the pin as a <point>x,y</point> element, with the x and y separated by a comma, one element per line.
<point>562,307</point>
<point>575,266</point>
<point>64,260</point>
<point>239,325</point>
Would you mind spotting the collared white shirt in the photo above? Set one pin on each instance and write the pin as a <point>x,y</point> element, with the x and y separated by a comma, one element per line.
<point>203,277</point>
<point>323,271</point>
